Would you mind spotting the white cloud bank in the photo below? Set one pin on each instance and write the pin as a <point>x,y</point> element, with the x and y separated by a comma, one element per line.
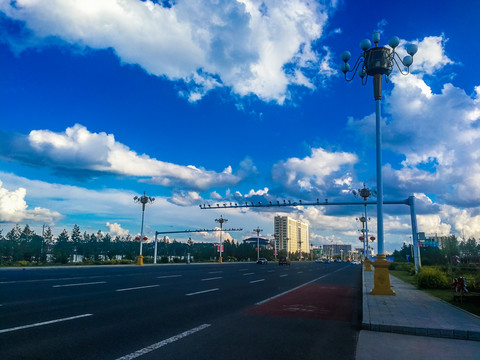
<point>243,44</point>
<point>14,208</point>
<point>321,170</point>
<point>115,229</point>
<point>79,149</point>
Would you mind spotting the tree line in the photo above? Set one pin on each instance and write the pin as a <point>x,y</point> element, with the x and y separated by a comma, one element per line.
<point>452,251</point>
<point>24,246</point>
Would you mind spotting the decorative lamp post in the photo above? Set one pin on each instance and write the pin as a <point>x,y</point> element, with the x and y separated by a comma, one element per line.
<point>378,62</point>
<point>365,194</point>
<point>221,221</point>
<point>258,231</point>
<point>144,200</point>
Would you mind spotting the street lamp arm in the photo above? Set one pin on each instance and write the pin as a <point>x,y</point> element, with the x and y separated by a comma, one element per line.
<point>407,61</point>
<point>345,67</point>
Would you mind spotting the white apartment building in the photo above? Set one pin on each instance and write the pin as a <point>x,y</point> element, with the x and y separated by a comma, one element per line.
<point>291,235</point>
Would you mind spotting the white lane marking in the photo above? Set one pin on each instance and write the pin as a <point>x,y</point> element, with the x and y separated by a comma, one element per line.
<point>298,287</point>
<point>44,323</point>
<point>246,274</point>
<point>283,275</point>
<point>271,271</point>
<point>163,343</point>
<point>139,287</point>
<point>299,272</point>
<point>243,270</point>
<point>80,284</point>
<point>215,272</point>
<point>202,292</point>
<point>53,279</point>
<point>168,276</point>
<point>255,281</point>
<point>213,278</point>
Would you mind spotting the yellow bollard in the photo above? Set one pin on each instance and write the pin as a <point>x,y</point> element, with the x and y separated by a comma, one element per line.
<point>368,264</point>
<point>381,277</point>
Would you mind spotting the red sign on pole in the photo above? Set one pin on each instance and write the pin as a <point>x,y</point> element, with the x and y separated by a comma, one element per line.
<point>361,238</point>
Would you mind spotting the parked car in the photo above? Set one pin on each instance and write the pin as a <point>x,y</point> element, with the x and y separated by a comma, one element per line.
<point>318,260</point>
<point>327,261</point>
<point>262,261</point>
<point>284,261</point>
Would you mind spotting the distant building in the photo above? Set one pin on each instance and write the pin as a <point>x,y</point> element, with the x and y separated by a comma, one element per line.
<point>253,241</point>
<point>291,235</point>
<point>337,249</point>
<point>423,241</point>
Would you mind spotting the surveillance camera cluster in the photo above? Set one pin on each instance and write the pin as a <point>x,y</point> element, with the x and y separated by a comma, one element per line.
<point>259,204</point>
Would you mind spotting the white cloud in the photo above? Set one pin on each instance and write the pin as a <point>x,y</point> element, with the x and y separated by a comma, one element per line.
<point>79,149</point>
<point>243,44</point>
<point>14,208</point>
<point>115,229</point>
<point>431,55</point>
<point>313,172</point>
<point>186,198</point>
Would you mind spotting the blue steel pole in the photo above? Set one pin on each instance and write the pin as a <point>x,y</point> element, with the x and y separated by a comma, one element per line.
<point>413,214</point>
<point>378,99</point>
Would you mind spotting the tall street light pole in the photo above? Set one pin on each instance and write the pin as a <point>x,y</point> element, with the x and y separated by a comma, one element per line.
<point>221,221</point>
<point>378,62</point>
<point>258,231</point>
<point>144,200</point>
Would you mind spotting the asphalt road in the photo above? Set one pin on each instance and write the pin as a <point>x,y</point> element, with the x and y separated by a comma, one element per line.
<point>215,311</point>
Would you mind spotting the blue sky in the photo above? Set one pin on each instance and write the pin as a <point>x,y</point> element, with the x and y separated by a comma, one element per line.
<point>205,102</point>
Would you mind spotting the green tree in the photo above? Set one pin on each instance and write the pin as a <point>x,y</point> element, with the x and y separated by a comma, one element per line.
<point>62,250</point>
<point>13,244</point>
<point>469,250</point>
<point>28,248</point>
<point>450,247</point>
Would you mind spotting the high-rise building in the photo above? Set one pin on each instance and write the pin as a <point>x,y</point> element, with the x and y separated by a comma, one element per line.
<point>291,235</point>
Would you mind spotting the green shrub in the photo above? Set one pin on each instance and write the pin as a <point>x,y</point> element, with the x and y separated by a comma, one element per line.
<point>402,266</point>
<point>432,278</point>
<point>22,263</point>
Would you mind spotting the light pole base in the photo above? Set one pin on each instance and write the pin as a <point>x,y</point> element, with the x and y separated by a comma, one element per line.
<point>220,260</point>
<point>139,260</point>
<point>368,264</point>
<point>381,278</point>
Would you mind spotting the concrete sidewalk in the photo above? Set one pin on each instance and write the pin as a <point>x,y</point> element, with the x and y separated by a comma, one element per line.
<point>414,325</point>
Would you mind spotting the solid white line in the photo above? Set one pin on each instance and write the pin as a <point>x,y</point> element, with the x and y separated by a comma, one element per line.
<point>243,270</point>
<point>255,281</point>
<point>163,343</point>
<point>44,323</point>
<point>299,272</point>
<point>271,271</point>
<point>215,272</point>
<point>80,284</point>
<point>298,287</point>
<point>248,274</point>
<point>214,278</point>
<point>139,287</point>
<point>283,275</point>
<point>202,292</point>
<point>168,276</point>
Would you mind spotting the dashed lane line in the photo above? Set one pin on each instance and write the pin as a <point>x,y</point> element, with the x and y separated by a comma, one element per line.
<point>163,343</point>
<point>44,323</point>
<point>212,278</point>
<point>298,287</point>
<point>80,284</point>
<point>202,292</point>
<point>137,288</point>
<point>256,281</point>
